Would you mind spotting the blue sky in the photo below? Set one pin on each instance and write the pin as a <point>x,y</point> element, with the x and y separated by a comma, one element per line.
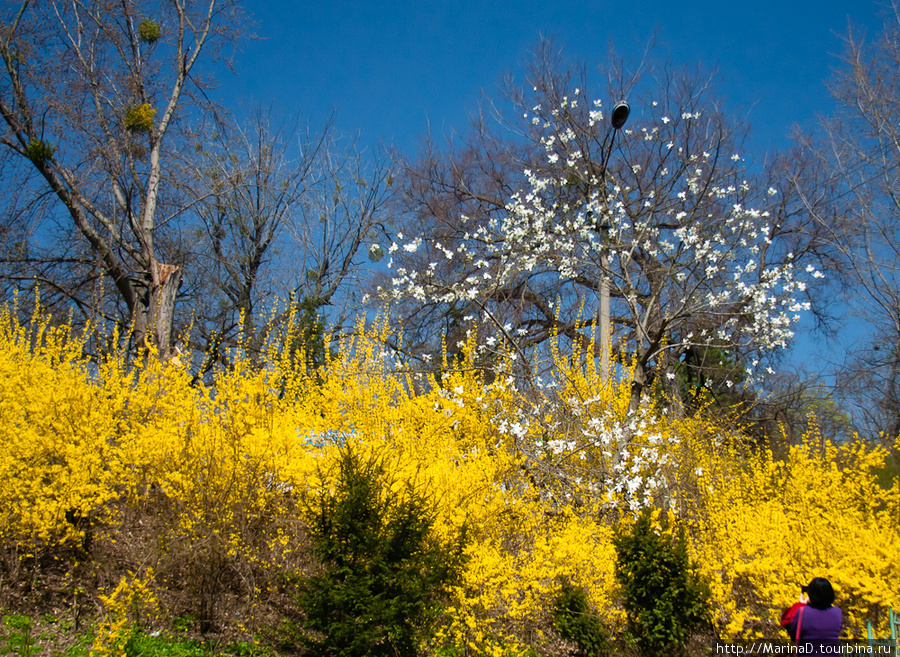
<point>391,69</point>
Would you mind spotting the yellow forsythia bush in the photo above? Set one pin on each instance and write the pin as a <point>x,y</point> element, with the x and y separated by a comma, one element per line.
<point>205,482</point>
<point>766,526</point>
<point>57,431</point>
<point>131,606</point>
<point>449,437</point>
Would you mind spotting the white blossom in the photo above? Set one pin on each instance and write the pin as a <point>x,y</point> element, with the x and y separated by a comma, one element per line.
<point>700,235</point>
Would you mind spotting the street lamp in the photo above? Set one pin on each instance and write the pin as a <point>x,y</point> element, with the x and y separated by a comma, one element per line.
<point>619,116</point>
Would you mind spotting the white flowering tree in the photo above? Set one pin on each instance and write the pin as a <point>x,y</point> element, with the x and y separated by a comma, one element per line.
<point>698,254</point>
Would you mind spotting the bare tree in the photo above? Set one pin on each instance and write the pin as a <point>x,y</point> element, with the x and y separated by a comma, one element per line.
<point>289,218</point>
<point>860,155</point>
<point>91,98</point>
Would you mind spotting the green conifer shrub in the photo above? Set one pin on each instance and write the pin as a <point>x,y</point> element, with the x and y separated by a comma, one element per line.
<point>577,623</point>
<point>664,594</point>
<point>383,570</point>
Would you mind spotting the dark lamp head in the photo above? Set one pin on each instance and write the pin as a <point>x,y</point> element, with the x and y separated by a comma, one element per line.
<point>620,114</point>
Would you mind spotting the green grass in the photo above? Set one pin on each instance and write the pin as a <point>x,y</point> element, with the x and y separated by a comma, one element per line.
<point>18,636</point>
<point>161,645</point>
<point>22,636</point>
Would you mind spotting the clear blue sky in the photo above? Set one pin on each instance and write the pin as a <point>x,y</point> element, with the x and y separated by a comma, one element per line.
<point>394,67</point>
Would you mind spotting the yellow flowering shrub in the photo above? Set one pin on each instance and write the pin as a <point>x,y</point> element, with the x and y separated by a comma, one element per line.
<point>57,430</point>
<point>503,605</point>
<point>219,466</point>
<point>447,437</point>
<point>768,526</point>
<point>206,482</point>
<point>132,605</point>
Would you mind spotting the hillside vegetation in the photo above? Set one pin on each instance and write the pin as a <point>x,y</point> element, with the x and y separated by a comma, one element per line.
<point>137,498</point>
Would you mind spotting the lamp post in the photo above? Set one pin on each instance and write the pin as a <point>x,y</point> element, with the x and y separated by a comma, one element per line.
<point>619,116</point>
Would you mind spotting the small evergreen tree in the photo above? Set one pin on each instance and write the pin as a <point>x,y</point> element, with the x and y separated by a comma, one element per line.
<point>576,622</point>
<point>383,568</point>
<point>665,596</point>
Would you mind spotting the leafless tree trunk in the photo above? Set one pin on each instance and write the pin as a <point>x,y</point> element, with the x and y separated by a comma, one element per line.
<point>90,97</point>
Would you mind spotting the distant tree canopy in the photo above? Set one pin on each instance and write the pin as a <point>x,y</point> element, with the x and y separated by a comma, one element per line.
<point>134,200</point>
<point>92,98</point>
<point>854,194</point>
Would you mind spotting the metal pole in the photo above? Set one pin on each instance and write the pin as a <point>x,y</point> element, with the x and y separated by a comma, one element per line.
<point>619,117</point>
<point>605,336</point>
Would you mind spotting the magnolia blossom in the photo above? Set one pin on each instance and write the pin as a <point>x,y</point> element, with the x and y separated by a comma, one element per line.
<point>689,259</point>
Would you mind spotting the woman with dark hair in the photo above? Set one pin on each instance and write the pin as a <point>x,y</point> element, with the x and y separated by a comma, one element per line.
<point>818,622</point>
